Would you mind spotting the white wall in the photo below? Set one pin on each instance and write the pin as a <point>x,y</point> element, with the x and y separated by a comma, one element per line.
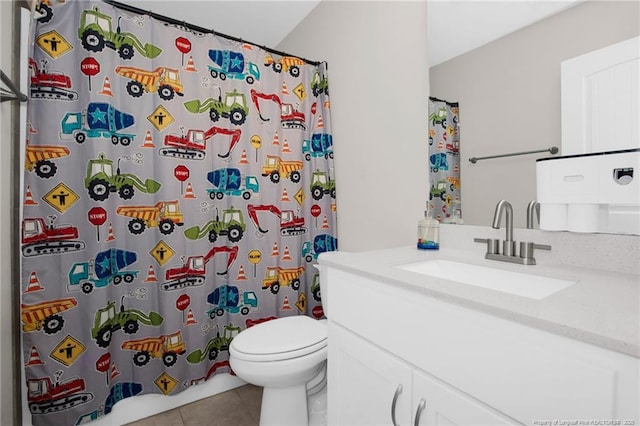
<point>379,88</point>
<point>509,95</point>
<point>6,349</point>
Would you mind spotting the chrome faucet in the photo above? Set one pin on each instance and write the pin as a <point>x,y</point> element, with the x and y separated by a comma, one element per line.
<point>508,244</point>
<point>533,208</point>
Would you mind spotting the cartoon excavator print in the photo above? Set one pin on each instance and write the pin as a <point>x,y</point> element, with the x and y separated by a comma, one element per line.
<point>193,271</point>
<point>52,85</point>
<point>290,118</point>
<point>193,144</point>
<point>290,223</point>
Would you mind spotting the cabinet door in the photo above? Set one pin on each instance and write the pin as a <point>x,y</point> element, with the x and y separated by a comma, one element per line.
<point>436,403</point>
<point>365,383</point>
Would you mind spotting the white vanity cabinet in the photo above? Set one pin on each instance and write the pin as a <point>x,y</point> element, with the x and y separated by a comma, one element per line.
<point>469,366</point>
<point>368,386</point>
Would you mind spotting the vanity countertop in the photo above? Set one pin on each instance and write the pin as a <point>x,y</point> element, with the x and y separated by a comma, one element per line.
<point>602,308</point>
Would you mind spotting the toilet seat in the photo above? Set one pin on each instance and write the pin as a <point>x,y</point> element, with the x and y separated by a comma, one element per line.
<point>280,339</point>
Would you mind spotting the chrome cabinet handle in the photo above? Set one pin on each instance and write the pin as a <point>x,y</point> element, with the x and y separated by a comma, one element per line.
<point>421,407</point>
<point>393,405</point>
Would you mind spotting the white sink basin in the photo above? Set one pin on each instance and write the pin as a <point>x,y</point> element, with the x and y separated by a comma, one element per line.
<point>519,283</point>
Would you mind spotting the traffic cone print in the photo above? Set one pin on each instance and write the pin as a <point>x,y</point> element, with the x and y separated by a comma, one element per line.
<point>320,124</point>
<point>34,358</point>
<point>28,198</point>
<point>189,192</point>
<point>441,144</point>
<point>148,141</point>
<point>285,146</point>
<point>285,196</point>
<point>276,140</point>
<point>114,371</point>
<point>274,251</point>
<point>191,66</point>
<point>326,104</point>
<point>34,284</point>
<point>241,275</point>
<point>151,275</point>
<point>106,88</point>
<point>32,131</point>
<point>243,158</point>
<point>287,254</point>
<point>285,91</point>
<point>285,304</point>
<point>111,236</point>
<point>325,223</point>
<point>190,318</point>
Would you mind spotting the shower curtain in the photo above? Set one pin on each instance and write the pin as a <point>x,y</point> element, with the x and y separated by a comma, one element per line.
<point>444,160</point>
<point>178,188</point>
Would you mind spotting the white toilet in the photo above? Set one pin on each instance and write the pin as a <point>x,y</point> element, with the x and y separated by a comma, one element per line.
<point>283,356</point>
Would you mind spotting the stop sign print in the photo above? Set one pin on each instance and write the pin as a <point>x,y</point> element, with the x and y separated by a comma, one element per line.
<point>89,67</point>
<point>181,173</point>
<point>97,216</point>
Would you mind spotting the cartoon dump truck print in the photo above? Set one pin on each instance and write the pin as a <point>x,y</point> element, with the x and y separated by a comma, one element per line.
<point>38,159</point>
<point>163,80</point>
<point>96,32</point>
<point>276,277</point>
<point>275,167</point>
<point>107,267</point>
<point>166,346</point>
<point>289,64</point>
<point>230,64</point>
<point>99,120</point>
<point>165,215</point>
<point>100,181</point>
<point>45,315</point>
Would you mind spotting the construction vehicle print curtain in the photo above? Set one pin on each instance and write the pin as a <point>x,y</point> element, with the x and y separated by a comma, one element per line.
<point>178,188</point>
<point>444,161</point>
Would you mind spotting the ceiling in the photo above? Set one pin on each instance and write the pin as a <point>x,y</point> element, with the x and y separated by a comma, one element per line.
<point>454,26</point>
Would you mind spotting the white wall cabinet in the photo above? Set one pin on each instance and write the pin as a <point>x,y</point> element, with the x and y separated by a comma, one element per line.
<point>470,367</point>
<point>368,386</point>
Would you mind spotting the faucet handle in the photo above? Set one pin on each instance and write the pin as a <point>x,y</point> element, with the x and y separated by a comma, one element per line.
<point>493,244</point>
<point>526,251</point>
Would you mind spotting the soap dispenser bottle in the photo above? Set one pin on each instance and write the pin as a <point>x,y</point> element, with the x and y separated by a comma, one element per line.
<point>428,231</point>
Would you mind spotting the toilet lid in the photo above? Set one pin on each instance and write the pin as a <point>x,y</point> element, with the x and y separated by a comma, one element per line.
<point>282,338</point>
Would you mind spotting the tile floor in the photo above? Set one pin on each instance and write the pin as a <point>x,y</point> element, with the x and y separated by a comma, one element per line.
<point>237,407</point>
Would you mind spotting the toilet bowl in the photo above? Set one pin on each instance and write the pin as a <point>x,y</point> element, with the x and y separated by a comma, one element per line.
<point>282,356</point>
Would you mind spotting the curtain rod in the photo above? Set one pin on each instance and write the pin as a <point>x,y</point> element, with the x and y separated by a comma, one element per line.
<point>552,150</point>
<point>453,104</point>
<point>14,93</point>
<point>139,11</point>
